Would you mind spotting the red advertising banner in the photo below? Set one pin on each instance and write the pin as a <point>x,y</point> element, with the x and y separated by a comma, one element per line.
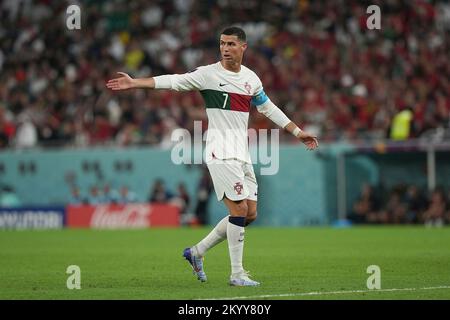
<point>123,216</point>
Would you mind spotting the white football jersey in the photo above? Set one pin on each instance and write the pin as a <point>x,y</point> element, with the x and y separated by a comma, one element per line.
<point>227,96</point>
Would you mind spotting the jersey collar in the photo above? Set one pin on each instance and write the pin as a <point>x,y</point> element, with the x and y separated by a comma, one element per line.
<point>228,71</point>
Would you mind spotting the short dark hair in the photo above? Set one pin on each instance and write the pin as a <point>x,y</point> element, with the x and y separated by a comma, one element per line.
<point>235,31</point>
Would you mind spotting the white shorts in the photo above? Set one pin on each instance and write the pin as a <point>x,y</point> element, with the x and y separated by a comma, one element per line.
<point>234,179</point>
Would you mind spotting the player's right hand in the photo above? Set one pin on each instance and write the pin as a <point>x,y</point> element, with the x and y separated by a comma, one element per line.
<point>122,83</point>
<point>309,140</point>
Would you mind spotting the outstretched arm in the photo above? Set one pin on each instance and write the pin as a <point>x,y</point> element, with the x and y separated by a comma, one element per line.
<point>126,82</point>
<point>194,80</point>
<point>271,111</point>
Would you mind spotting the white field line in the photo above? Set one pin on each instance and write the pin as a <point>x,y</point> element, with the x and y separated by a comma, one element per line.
<point>318,293</point>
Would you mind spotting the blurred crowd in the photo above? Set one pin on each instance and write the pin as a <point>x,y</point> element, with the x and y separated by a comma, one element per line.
<point>317,60</point>
<point>402,204</point>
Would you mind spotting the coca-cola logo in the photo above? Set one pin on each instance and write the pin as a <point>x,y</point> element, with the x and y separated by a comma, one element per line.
<point>127,216</point>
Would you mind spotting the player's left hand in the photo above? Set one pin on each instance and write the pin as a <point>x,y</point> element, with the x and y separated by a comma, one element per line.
<point>309,140</point>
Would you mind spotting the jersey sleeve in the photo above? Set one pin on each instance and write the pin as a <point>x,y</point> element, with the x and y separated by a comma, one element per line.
<point>193,80</point>
<point>265,106</point>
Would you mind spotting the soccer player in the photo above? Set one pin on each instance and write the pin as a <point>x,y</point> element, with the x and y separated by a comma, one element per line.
<point>228,88</point>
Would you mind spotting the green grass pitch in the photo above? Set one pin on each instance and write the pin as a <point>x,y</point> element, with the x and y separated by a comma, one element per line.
<point>290,263</point>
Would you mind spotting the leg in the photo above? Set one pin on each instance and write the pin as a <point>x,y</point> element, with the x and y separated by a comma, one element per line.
<point>223,175</point>
<point>194,255</point>
<point>219,173</point>
<point>252,212</point>
<point>216,236</point>
<point>252,199</point>
<point>219,233</point>
<point>235,236</point>
<point>236,208</point>
<point>228,179</point>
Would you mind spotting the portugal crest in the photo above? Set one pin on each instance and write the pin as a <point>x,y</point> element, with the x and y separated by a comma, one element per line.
<point>248,87</point>
<point>238,188</point>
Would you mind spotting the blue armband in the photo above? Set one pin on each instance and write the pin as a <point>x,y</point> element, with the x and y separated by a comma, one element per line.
<point>260,98</point>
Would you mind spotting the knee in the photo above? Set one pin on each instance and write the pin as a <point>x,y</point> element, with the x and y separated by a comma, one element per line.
<point>251,216</point>
<point>242,208</point>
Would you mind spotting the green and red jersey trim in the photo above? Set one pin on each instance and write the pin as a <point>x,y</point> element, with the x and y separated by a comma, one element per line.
<point>226,100</point>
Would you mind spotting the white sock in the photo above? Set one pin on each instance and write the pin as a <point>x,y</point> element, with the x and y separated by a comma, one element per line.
<point>235,236</point>
<point>216,236</point>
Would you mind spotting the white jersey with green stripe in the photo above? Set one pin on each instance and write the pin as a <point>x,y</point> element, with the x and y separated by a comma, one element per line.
<point>227,96</point>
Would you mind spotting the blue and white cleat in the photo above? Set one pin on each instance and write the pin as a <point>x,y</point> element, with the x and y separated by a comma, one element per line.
<point>196,264</point>
<point>242,280</point>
